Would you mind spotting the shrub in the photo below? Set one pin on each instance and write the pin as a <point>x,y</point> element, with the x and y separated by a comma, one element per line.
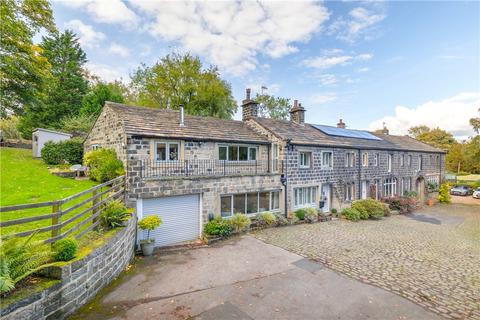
<point>239,222</point>
<point>267,218</point>
<point>103,165</point>
<point>311,215</point>
<point>370,207</point>
<point>411,194</point>
<point>218,227</point>
<point>20,257</point>
<point>8,128</point>
<point>401,204</point>
<point>114,214</point>
<point>149,223</point>
<point>65,249</point>
<point>362,210</point>
<point>351,214</point>
<point>281,220</point>
<point>300,214</point>
<point>444,194</point>
<point>334,211</point>
<point>68,151</point>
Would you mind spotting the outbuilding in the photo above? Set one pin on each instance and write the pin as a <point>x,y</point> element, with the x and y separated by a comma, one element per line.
<point>41,136</point>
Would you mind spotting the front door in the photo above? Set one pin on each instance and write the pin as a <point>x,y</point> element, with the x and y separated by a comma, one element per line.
<point>364,189</point>
<point>326,197</point>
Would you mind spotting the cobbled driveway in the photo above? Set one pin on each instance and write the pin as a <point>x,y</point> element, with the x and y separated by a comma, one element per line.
<point>431,257</point>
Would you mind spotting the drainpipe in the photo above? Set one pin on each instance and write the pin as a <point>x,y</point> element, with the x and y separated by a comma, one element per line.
<point>359,174</point>
<point>284,178</point>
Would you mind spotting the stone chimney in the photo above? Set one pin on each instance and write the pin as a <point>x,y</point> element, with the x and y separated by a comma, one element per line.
<point>297,113</point>
<point>385,129</point>
<point>249,107</point>
<point>341,124</point>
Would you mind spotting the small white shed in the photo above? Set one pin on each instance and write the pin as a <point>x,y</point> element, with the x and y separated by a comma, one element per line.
<point>41,136</point>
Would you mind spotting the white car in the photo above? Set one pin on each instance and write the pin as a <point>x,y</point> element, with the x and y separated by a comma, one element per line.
<point>476,193</point>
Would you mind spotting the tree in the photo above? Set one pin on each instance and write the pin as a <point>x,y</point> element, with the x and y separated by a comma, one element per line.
<point>273,107</point>
<point>455,159</point>
<point>475,123</point>
<point>23,68</point>
<point>435,137</point>
<point>94,100</point>
<point>180,80</point>
<point>66,85</point>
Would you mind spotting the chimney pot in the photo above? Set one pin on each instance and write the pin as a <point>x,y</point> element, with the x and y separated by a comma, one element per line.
<point>182,116</point>
<point>341,124</point>
<point>295,103</point>
<point>297,113</point>
<point>248,94</point>
<point>249,107</point>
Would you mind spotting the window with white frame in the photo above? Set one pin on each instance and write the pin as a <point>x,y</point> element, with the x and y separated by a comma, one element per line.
<point>237,153</point>
<point>437,160</point>
<point>420,163</point>
<point>390,162</point>
<point>305,197</point>
<point>431,160</point>
<point>365,159</point>
<point>94,146</point>
<point>249,203</point>
<point>305,159</point>
<point>389,187</point>
<point>402,160</point>
<point>350,191</point>
<point>409,162</point>
<point>375,160</point>
<point>350,159</point>
<point>167,151</point>
<point>327,160</point>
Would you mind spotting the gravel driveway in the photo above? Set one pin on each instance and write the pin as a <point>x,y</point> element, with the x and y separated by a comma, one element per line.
<point>431,257</point>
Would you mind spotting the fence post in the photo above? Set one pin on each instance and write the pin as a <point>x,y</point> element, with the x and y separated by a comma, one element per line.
<point>56,219</point>
<point>224,173</point>
<point>95,201</point>
<point>186,167</point>
<point>255,167</point>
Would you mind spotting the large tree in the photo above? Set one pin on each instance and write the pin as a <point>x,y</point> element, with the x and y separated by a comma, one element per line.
<point>273,107</point>
<point>94,100</point>
<point>66,85</point>
<point>475,123</point>
<point>180,79</point>
<point>23,68</point>
<point>435,137</point>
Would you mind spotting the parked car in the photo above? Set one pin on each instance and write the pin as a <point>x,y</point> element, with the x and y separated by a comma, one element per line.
<point>461,191</point>
<point>476,193</point>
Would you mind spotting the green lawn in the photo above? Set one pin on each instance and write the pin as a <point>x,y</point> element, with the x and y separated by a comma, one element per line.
<point>27,180</point>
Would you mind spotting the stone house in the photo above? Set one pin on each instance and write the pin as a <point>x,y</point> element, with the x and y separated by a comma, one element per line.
<point>188,169</point>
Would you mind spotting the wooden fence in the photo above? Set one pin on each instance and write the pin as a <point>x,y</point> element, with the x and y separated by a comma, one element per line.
<point>80,212</point>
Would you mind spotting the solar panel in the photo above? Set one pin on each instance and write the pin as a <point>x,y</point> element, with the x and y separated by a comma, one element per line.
<point>349,133</point>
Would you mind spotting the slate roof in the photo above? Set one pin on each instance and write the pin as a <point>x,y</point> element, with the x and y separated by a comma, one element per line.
<point>142,121</point>
<point>308,135</point>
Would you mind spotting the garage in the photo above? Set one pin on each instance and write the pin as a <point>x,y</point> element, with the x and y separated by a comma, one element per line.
<point>180,216</point>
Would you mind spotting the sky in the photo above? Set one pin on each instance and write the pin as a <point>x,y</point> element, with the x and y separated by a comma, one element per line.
<point>367,62</point>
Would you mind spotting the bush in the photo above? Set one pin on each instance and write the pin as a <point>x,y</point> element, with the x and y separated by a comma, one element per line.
<point>444,194</point>
<point>351,214</point>
<point>281,220</point>
<point>410,194</point>
<point>311,215</point>
<point>401,204</point>
<point>239,222</point>
<point>370,208</point>
<point>68,151</point>
<point>8,128</point>
<point>266,219</point>
<point>114,214</point>
<point>334,211</point>
<point>103,165</point>
<point>218,227</point>
<point>149,223</point>
<point>65,249</point>
<point>359,206</point>
<point>20,257</point>
<point>300,214</point>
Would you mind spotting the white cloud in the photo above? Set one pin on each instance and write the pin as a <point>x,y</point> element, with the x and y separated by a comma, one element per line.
<point>323,98</point>
<point>88,37</point>
<point>451,114</point>
<point>106,72</point>
<point>118,49</point>
<point>329,61</point>
<point>363,69</point>
<point>327,79</point>
<point>232,34</point>
<point>106,11</point>
<point>360,21</point>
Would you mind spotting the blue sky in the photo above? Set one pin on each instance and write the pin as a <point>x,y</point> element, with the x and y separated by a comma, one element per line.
<point>402,63</point>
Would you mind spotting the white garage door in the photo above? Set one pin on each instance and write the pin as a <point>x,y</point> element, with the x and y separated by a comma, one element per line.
<point>180,216</point>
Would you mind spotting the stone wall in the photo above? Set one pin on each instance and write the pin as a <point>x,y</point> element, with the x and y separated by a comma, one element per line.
<point>108,132</point>
<point>81,280</point>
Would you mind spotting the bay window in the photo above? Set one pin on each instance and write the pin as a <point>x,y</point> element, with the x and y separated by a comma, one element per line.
<point>249,203</point>
<point>305,197</point>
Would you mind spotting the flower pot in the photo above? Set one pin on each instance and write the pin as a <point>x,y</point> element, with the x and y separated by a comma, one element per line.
<point>430,202</point>
<point>147,248</point>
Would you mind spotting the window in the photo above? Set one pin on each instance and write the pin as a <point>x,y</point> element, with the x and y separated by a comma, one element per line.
<point>94,146</point>
<point>349,159</point>
<point>402,160</point>
<point>275,155</point>
<point>305,159</point>
<point>437,160</point>
<point>390,162</point>
<point>406,185</point>
<point>167,151</point>
<point>350,191</point>
<point>327,160</point>
<point>237,153</point>
<point>431,160</point>
<point>249,203</point>
<point>420,164</point>
<point>390,187</point>
<point>375,160</point>
<point>409,163</point>
<point>305,197</point>
<point>365,159</point>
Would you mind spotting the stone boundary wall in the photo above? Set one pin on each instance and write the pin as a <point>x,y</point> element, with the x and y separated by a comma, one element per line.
<point>81,280</point>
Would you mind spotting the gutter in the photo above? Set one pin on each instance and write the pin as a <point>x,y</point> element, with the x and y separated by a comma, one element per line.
<point>197,139</point>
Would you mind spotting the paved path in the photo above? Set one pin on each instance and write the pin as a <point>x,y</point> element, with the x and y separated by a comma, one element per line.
<point>244,278</point>
<point>431,257</point>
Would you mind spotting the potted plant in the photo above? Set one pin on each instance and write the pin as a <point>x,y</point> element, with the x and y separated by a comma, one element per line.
<point>148,223</point>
